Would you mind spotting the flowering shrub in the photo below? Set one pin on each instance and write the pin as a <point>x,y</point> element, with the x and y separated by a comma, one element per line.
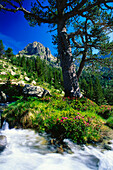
<point>105,111</point>
<point>61,117</point>
<point>69,125</point>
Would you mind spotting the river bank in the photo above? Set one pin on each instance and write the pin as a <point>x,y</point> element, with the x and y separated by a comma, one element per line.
<point>76,119</point>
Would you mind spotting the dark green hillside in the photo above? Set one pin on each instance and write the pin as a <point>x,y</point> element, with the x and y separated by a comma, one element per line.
<point>98,85</point>
<point>38,70</point>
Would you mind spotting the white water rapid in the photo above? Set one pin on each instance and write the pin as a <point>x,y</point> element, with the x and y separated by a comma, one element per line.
<point>27,150</point>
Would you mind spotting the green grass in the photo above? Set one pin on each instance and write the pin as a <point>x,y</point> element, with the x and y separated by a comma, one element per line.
<point>61,117</point>
<point>110,122</point>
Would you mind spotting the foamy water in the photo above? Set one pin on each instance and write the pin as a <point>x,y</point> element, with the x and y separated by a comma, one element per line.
<point>27,150</point>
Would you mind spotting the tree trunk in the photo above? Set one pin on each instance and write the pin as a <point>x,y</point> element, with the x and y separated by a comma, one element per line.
<point>81,65</point>
<point>71,86</point>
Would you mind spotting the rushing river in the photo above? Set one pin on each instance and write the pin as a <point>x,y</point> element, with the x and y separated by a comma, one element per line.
<point>27,150</point>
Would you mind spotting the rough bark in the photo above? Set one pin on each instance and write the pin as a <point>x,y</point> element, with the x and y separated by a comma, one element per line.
<point>71,86</point>
<point>82,63</point>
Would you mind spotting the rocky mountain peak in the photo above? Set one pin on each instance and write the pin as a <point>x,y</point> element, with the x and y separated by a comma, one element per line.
<point>37,49</point>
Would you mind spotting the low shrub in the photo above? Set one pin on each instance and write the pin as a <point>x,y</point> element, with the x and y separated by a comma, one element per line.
<point>56,117</point>
<point>105,111</point>
<point>76,127</point>
<point>110,122</point>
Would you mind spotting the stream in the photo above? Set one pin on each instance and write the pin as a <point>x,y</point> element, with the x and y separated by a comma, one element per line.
<point>27,150</point>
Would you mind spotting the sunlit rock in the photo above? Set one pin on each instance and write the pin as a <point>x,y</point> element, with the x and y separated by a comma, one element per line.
<point>35,91</point>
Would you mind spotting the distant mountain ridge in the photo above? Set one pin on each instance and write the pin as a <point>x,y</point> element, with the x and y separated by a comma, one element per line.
<point>37,49</point>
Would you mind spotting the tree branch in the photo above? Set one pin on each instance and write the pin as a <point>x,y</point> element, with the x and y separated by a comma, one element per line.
<point>76,43</point>
<point>96,59</point>
<point>72,34</point>
<point>79,11</point>
<point>43,7</point>
<point>82,63</point>
<point>50,21</point>
<point>9,2</point>
<point>107,6</point>
<point>9,9</point>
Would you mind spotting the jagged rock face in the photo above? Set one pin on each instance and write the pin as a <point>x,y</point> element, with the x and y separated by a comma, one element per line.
<point>37,48</point>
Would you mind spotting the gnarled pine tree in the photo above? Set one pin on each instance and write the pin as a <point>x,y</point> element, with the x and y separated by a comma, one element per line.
<point>60,13</point>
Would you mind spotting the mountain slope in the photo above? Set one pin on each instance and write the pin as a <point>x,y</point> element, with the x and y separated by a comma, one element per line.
<point>37,49</point>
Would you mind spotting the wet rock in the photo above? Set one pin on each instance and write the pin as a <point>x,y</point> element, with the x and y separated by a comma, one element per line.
<point>106,146</point>
<point>3,142</point>
<point>59,147</point>
<point>109,142</point>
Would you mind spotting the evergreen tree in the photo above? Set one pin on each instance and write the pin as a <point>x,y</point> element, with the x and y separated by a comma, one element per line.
<point>61,13</point>
<point>23,62</point>
<point>1,49</point>
<point>98,93</point>
<point>9,52</point>
<point>90,89</point>
<point>84,86</point>
<point>50,75</point>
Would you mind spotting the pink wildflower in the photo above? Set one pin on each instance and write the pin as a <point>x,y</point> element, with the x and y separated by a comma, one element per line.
<point>84,122</point>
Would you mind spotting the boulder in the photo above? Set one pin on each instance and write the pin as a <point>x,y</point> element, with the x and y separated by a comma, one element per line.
<point>33,82</point>
<point>35,91</point>
<point>3,97</point>
<point>107,147</point>
<point>3,142</point>
<point>21,83</point>
<point>27,79</point>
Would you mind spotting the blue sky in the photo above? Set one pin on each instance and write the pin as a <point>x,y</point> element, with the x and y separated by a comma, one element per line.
<point>16,33</point>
